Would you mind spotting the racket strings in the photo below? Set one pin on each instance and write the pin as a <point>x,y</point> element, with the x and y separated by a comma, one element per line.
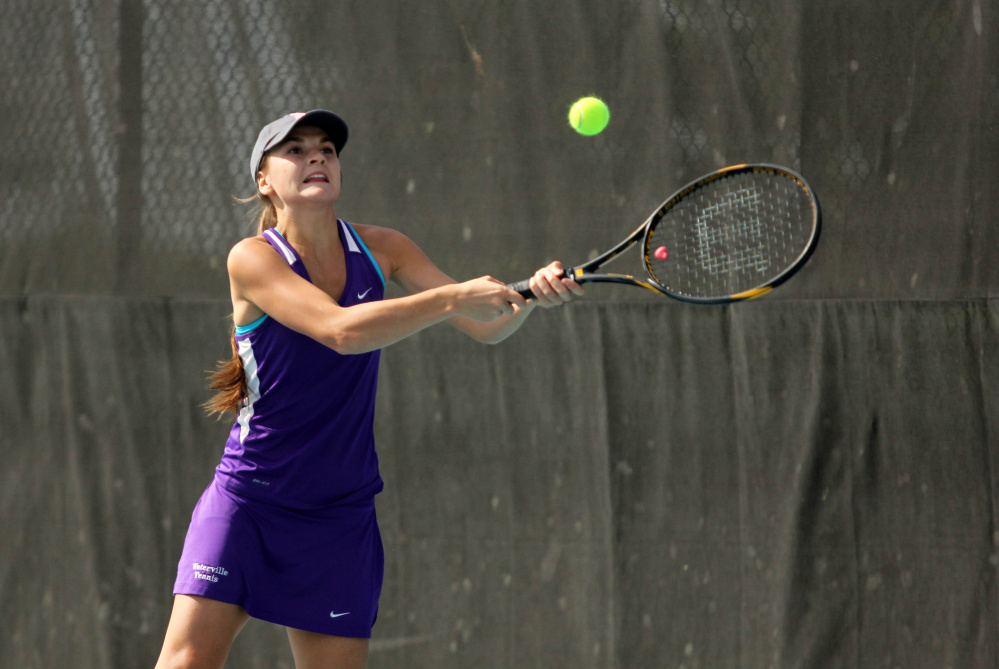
<point>732,234</point>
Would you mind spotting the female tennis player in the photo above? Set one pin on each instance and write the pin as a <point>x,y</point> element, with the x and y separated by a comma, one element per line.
<point>286,532</point>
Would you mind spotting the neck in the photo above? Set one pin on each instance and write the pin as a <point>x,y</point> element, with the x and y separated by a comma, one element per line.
<point>308,227</point>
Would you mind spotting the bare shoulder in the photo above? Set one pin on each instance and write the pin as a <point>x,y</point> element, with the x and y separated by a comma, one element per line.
<point>378,238</point>
<point>250,256</point>
<point>393,250</point>
<point>402,260</point>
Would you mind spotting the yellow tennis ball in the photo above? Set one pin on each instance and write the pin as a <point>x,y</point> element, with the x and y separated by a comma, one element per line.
<point>589,116</point>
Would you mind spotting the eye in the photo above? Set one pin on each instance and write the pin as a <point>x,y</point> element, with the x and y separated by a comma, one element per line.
<point>329,150</point>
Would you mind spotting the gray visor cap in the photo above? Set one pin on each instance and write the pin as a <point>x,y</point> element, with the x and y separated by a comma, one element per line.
<point>275,132</point>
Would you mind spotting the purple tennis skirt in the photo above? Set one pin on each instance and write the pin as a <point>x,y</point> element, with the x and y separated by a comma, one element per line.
<point>315,570</point>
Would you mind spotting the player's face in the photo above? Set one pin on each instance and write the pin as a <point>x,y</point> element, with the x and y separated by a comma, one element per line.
<point>304,167</point>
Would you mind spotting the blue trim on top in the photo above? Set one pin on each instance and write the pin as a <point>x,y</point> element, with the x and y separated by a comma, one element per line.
<point>361,243</point>
<point>243,329</point>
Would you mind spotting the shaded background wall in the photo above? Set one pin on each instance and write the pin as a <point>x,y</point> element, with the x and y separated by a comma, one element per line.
<point>804,481</point>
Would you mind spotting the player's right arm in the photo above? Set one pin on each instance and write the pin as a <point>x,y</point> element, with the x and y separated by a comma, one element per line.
<point>261,282</point>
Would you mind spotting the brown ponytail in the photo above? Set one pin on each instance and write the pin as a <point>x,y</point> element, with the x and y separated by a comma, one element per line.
<point>229,382</point>
<point>229,377</point>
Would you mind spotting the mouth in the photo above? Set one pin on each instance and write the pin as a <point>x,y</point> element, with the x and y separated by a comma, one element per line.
<point>317,177</point>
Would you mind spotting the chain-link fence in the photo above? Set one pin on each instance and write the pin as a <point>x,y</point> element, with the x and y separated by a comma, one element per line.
<point>130,124</point>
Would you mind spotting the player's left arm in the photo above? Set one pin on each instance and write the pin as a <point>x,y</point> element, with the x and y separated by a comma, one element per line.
<point>405,264</point>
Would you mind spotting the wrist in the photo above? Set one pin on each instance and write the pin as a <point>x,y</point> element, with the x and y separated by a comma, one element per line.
<point>447,299</point>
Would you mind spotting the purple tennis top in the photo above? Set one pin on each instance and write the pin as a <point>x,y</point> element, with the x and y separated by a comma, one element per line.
<point>304,436</point>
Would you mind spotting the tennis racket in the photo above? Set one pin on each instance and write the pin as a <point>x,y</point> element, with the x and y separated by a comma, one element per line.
<point>732,235</point>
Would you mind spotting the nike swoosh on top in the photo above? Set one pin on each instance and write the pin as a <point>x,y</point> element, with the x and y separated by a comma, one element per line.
<point>334,614</point>
<point>360,296</point>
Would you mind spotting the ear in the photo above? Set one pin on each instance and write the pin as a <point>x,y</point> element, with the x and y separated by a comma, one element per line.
<point>263,184</point>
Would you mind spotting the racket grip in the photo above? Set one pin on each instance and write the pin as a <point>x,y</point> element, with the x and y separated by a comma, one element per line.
<point>522,287</point>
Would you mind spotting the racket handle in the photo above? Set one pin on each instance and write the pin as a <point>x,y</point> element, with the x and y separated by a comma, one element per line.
<point>522,287</point>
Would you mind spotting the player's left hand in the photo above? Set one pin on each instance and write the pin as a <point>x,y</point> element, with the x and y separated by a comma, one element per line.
<point>552,288</point>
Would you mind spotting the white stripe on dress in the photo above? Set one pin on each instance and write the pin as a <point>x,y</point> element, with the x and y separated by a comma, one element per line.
<point>351,244</point>
<point>252,387</point>
<point>279,239</point>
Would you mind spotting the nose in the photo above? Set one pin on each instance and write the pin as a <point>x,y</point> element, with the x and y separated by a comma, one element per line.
<point>317,156</point>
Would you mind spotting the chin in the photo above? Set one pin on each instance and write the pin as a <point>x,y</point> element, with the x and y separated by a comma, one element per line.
<point>324,192</point>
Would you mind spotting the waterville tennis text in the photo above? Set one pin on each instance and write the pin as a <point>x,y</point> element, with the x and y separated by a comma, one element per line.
<point>208,572</point>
